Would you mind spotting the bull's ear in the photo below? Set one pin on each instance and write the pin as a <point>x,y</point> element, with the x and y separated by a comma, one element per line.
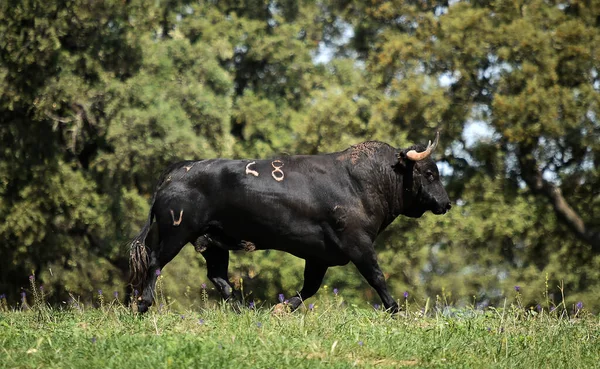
<point>401,159</point>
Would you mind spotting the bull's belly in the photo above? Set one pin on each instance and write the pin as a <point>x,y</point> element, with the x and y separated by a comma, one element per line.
<point>301,239</point>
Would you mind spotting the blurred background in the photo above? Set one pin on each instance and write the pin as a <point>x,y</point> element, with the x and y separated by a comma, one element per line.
<point>97,97</point>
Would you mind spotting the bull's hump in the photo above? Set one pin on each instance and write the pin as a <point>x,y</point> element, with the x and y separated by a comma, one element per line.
<point>363,150</point>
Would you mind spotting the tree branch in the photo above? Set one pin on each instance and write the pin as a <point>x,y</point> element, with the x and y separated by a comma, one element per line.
<point>566,214</point>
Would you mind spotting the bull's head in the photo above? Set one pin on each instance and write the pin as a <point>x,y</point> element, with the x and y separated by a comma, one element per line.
<point>423,189</point>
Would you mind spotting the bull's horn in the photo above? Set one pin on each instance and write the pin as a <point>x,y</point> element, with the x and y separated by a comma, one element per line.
<point>416,156</point>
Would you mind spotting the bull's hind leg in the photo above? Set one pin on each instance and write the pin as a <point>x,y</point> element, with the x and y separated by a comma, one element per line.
<point>217,263</point>
<point>167,249</point>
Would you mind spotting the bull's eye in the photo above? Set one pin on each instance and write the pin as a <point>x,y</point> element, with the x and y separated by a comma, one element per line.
<point>429,175</point>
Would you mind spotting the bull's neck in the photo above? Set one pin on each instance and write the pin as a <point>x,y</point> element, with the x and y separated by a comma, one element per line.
<point>393,193</point>
<point>382,188</point>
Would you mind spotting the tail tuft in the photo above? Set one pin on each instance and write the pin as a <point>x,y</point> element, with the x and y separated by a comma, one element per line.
<point>138,258</point>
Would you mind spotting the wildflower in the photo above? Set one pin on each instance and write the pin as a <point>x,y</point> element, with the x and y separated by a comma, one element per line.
<point>360,343</point>
<point>200,321</point>
<point>135,293</point>
<point>376,306</point>
<point>405,294</point>
<point>100,292</point>
<point>538,308</point>
<point>32,278</point>
<point>335,291</point>
<point>3,296</point>
<point>281,297</point>
<point>116,294</point>
<point>23,295</point>
<point>93,339</point>
<point>251,305</point>
<point>489,329</point>
<point>517,288</point>
<point>552,308</point>
<point>182,317</point>
<point>203,286</point>
<point>259,324</point>
<point>579,305</point>
<point>286,301</point>
<point>41,288</point>
<point>311,307</point>
<point>157,272</point>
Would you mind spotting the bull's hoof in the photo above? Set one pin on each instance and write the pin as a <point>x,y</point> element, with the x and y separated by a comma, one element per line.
<point>282,309</point>
<point>142,307</point>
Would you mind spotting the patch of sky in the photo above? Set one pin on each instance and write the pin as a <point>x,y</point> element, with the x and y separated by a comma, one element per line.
<point>326,50</point>
<point>476,131</point>
<point>447,79</point>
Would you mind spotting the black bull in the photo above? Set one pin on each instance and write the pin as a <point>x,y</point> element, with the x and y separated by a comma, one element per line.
<point>327,209</point>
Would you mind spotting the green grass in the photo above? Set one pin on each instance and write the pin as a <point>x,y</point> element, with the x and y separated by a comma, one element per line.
<point>330,336</point>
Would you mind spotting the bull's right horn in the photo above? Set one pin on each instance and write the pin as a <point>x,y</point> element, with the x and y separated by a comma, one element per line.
<point>416,156</point>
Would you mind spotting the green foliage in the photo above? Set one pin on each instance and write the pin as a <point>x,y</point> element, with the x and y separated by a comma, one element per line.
<point>97,97</point>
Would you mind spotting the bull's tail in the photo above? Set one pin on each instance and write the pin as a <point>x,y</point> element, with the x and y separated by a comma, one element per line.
<point>138,256</point>
<point>138,250</point>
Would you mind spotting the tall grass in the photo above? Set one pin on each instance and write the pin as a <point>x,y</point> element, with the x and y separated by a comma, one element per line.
<point>330,333</point>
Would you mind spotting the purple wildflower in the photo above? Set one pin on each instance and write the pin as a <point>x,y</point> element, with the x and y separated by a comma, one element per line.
<point>32,278</point>
<point>182,317</point>
<point>281,297</point>
<point>157,272</point>
<point>376,306</point>
<point>538,307</point>
<point>335,291</point>
<point>116,294</point>
<point>405,294</point>
<point>3,296</point>
<point>311,307</point>
<point>23,295</point>
<point>552,308</point>
<point>200,321</point>
<point>42,288</point>
<point>489,329</point>
<point>360,343</point>
<point>251,305</point>
<point>579,305</point>
<point>517,288</point>
<point>100,292</point>
<point>258,324</point>
<point>93,339</point>
<point>203,286</point>
<point>135,293</point>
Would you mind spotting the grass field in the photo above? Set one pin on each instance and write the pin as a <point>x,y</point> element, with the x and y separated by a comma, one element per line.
<point>332,335</point>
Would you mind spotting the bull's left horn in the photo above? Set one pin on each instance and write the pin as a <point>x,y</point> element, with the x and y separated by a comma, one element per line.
<point>416,156</point>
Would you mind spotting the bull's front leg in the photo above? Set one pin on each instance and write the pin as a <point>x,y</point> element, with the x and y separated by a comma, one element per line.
<point>365,259</point>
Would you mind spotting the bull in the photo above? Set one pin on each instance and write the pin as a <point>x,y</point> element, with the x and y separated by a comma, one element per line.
<point>327,209</point>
